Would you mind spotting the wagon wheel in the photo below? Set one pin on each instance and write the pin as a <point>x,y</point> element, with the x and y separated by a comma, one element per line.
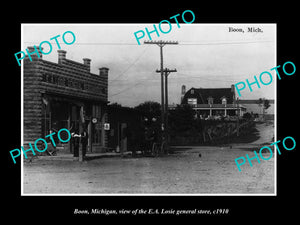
<point>163,148</point>
<point>50,151</point>
<point>154,149</point>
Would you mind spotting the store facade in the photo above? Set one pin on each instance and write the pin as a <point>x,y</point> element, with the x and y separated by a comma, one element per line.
<point>64,95</point>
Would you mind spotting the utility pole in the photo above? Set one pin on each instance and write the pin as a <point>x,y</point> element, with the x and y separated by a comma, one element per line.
<point>166,106</point>
<point>161,44</point>
<point>238,118</point>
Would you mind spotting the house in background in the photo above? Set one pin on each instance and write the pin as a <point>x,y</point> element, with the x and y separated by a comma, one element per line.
<point>212,101</point>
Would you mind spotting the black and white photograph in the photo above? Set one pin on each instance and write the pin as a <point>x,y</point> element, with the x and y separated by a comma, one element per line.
<point>149,109</point>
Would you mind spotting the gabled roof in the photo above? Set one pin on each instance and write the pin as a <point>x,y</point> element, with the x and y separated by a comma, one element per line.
<point>202,94</point>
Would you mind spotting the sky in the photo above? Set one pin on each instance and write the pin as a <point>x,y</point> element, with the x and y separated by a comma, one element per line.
<point>207,56</point>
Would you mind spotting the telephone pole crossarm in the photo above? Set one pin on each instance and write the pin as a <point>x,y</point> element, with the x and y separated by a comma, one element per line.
<point>161,42</point>
<point>167,71</point>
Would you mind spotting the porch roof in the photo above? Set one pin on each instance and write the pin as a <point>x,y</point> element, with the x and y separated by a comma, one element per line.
<point>218,106</point>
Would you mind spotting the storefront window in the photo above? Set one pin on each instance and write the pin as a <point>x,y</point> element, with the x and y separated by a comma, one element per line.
<point>96,111</point>
<point>96,128</point>
<point>210,100</point>
<point>46,117</point>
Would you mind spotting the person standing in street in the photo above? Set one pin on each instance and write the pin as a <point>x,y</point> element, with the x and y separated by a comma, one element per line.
<point>84,140</point>
<point>75,142</point>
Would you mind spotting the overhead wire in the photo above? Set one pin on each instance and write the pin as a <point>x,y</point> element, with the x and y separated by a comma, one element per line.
<point>139,56</point>
<point>180,43</point>
<point>126,89</point>
<point>142,81</point>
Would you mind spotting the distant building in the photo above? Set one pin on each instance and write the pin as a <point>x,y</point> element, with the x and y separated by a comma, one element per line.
<point>212,101</point>
<point>125,131</point>
<point>254,106</point>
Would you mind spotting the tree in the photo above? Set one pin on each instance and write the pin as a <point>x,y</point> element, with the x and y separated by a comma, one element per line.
<point>266,104</point>
<point>149,110</point>
<point>260,102</point>
<point>115,105</point>
<point>181,118</point>
<point>247,115</point>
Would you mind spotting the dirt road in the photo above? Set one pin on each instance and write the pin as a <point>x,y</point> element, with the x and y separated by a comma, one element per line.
<point>266,133</point>
<point>215,172</point>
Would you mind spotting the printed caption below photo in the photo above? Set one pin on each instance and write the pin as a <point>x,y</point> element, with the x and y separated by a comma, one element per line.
<point>151,211</point>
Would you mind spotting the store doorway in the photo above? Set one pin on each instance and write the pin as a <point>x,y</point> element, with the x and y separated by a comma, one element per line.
<point>122,136</point>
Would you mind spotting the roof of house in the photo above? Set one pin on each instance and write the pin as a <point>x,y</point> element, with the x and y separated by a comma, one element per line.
<point>202,95</point>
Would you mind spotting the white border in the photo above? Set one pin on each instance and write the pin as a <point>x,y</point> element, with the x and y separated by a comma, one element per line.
<point>275,115</point>
<point>22,111</point>
<point>146,194</point>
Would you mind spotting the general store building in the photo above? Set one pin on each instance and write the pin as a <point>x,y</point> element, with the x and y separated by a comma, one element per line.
<point>63,95</point>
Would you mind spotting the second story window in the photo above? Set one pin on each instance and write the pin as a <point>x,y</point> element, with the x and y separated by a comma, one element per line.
<point>210,100</point>
<point>192,101</point>
<point>224,101</point>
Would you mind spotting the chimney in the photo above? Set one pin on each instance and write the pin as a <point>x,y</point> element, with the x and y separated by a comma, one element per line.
<point>233,93</point>
<point>34,50</point>
<point>87,62</point>
<point>61,56</point>
<point>183,91</point>
<point>103,72</point>
<point>232,88</point>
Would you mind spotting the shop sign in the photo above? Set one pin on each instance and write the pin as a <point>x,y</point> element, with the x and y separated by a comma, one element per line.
<point>106,126</point>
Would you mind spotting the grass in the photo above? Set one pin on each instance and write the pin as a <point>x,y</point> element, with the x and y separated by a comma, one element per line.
<point>251,135</point>
<point>246,136</point>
